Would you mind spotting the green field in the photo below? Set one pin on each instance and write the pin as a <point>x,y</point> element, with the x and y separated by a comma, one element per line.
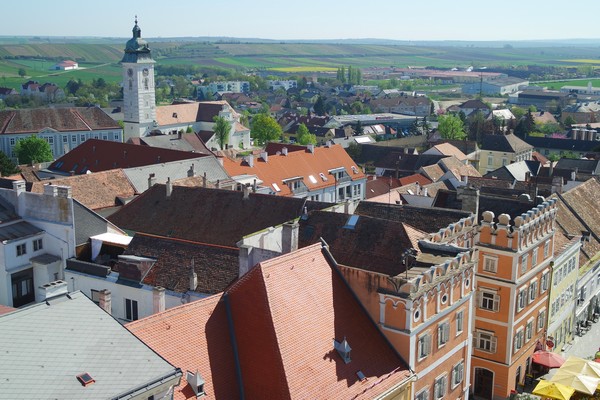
<point>577,82</point>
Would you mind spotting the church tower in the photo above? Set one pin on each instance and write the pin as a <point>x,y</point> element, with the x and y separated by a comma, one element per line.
<point>138,87</point>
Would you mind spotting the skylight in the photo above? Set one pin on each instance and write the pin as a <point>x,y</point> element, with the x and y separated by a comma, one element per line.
<point>276,187</point>
<point>85,379</point>
<point>312,179</point>
<point>351,223</point>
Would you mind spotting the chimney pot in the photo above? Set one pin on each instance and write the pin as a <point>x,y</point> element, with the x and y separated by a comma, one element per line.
<point>158,299</point>
<point>105,301</point>
<point>169,186</point>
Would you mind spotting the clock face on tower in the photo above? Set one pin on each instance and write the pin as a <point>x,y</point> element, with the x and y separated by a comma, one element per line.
<point>145,72</point>
<point>130,72</point>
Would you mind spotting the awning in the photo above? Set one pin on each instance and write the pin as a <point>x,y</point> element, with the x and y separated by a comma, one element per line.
<point>581,383</point>
<point>548,359</point>
<point>553,390</point>
<point>110,238</point>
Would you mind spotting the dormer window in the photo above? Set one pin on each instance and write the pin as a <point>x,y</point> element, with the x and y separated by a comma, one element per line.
<point>323,177</point>
<point>196,382</point>
<point>354,169</point>
<point>343,349</point>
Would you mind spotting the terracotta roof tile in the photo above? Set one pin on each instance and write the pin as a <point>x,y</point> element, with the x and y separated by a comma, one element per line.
<point>189,113</point>
<point>61,119</point>
<point>432,172</point>
<point>298,164</point>
<point>285,332</point>
<point>101,155</point>
<point>205,215</point>
<point>194,337</point>
<point>448,149</point>
<point>415,178</point>
<point>380,186</point>
<point>95,191</point>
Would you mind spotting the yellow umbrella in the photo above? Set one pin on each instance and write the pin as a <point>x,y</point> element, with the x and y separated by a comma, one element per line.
<point>579,382</point>
<point>582,367</point>
<point>553,390</point>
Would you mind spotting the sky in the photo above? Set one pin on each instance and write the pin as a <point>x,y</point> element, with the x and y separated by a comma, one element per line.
<point>307,19</point>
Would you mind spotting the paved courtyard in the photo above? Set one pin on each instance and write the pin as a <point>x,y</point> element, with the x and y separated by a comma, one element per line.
<point>586,345</point>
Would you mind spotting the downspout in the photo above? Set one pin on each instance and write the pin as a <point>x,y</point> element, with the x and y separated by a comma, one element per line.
<point>238,369</point>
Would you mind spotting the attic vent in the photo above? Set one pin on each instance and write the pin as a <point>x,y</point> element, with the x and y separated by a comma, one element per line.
<point>343,349</point>
<point>85,379</point>
<point>196,382</point>
<point>322,175</point>
<point>354,169</point>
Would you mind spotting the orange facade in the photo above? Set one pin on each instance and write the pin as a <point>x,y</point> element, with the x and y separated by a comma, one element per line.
<point>512,282</point>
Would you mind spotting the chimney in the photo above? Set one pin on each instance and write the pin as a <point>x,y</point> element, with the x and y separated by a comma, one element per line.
<point>469,196</point>
<point>158,299</point>
<point>52,289</point>
<point>220,160</point>
<point>289,237</point>
<point>64,192</point>
<point>191,171</point>
<point>169,186</point>
<point>406,150</point>
<point>50,190</point>
<point>105,301</point>
<point>551,169</point>
<point>218,185</point>
<point>527,176</point>
<point>254,186</point>
<point>151,180</point>
<point>425,192</point>
<point>265,156</point>
<point>204,180</point>
<point>19,186</point>
<point>310,148</point>
<point>250,161</point>
<point>284,151</point>
<point>193,277</point>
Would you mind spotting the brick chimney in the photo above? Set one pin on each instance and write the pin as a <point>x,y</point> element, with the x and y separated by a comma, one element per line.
<point>18,186</point>
<point>310,148</point>
<point>469,196</point>
<point>158,299</point>
<point>105,302</point>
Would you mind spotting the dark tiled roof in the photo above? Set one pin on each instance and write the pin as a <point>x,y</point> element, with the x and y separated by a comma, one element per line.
<point>474,104</point>
<point>372,244</point>
<point>101,155</point>
<point>504,143</point>
<point>377,187</point>
<point>582,166</point>
<point>215,266</point>
<point>61,119</point>
<point>562,144</point>
<point>583,201</point>
<point>204,215</point>
<point>422,218</point>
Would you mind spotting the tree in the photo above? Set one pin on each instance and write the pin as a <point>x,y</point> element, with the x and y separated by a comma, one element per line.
<point>7,167</point>
<point>22,72</point>
<point>451,127</point>
<point>518,112</point>
<point>319,106</point>
<point>222,128</point>
<point>354,150</point>
<point>358,128</point>
<point>569,121</point>
<point>304,136</point>
<point>33,149</point>
<point>265,129</point>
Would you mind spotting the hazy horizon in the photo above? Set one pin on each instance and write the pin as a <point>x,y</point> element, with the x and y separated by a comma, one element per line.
<point>467,20</point>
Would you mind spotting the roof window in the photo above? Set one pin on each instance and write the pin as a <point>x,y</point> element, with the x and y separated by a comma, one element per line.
<point>85,379</point>
<point>312,179</point>
<point>323,177</point>
<point>276,187</point>
<point>354,169</point>
<point>196,382</point>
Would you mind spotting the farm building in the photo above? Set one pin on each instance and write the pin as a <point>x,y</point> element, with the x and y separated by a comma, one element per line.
<point>66,65</point>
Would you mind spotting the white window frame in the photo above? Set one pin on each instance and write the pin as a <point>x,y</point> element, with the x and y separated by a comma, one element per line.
<point>490,264</point>
<point>424,345</point>
<point>544,281</point>
<point>423,394</point>
<point>488,337</point>
<point>534,256</point>
<point>541,319</point>
<point>522,298</point>
<point>440,387</point>
<point>38,244</point>
<point>529,330</point>
<point>443,333</point>
<point>518,340</point>
<point>494,300</point>
<point>21,249</point>
<point>524,262</point>
<point>546,249</point>
<point>532,291</point>
<point>458,374</point>
<point>460,321</point>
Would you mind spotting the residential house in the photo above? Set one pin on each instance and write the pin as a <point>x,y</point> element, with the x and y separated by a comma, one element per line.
<point>63,128</point>
<point>548,146</point>
<point>199,116</point>
<point>285,84</point>
<point>419,106</point>
<point>500,150</point>
<point>37,233</point>
<point>48,92</point>
<point>582,113</point>
<point>472,106</point>
<point>66,65</point>
<point>271,345</point>
<point>179,141</point>
<point>77,351</point>
<point>446,149</point>
<point>225,86</point>
<point>6,92</point>
<point>318,173</point>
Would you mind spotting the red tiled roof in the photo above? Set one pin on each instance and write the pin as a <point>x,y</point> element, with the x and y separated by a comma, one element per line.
<point>433,172</point>
<point>61,119</point>
<point>194,337</point>
<point>449,150</point>
<point>382,185</point>
<point>298,164</point>
<point>95,191</point>
<point>414,178</point>
<point>285,333</point>
<point>189,112</point>
<point>101,155</point>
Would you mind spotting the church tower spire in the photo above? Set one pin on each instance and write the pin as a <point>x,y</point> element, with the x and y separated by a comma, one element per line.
<point>138,86</point>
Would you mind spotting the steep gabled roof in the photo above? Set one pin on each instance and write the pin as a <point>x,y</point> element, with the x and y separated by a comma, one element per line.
<point>61,119</point>
<point>101,155</point>
<point>216,266</point>
<point>188,113</point>
<point>360,241</point>
<point>447,149</point>
<point>377,187</point>
<point>504,143</point>
<point>213,216</point>
<point>285,332</point>
<point>95,191</point>
<point>298,164</point>
<point>582,166</point>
